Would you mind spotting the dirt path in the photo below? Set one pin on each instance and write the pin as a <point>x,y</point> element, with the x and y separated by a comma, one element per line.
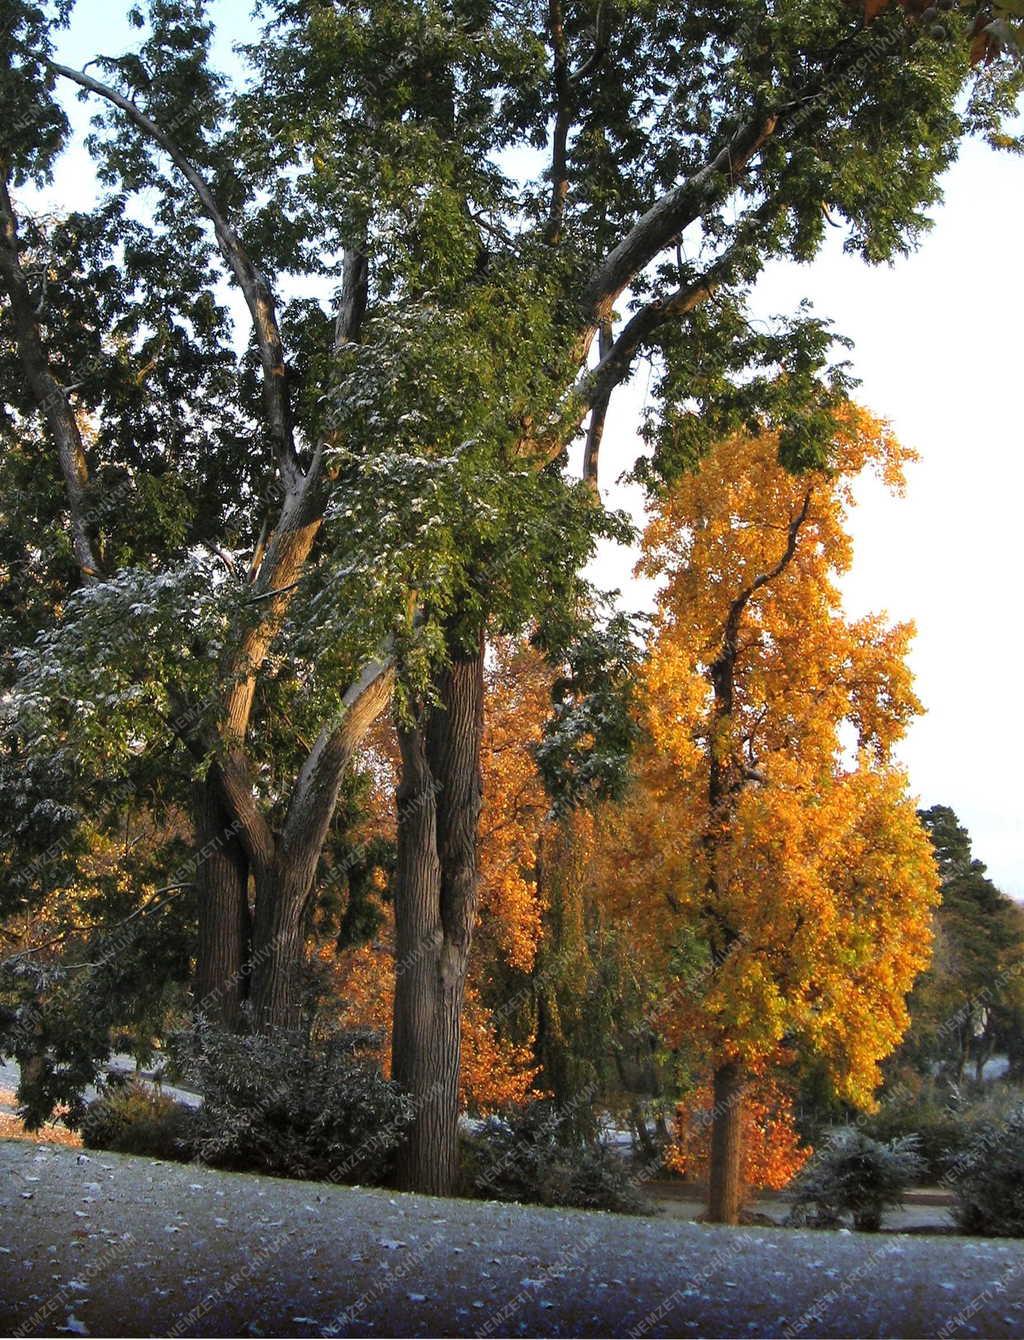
<point>110,1245</point>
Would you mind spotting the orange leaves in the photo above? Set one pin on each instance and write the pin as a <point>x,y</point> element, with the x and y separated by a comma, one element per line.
<point>772,1152</point>
<point>494,1072</point>
<point>515,804</point>
<point>805,872</point>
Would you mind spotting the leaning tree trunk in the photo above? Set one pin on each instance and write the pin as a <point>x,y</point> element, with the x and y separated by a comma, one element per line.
<point>725,1190</point>
<point>286,863</point>
<point>439,803</point>
<point>222,878</point>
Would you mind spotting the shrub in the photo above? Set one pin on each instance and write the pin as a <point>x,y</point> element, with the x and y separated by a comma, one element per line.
<point>320,1111</point>
<point>857,1176</point>
<point>132,1118</point>
<point>987,1179</point>
<point>941,1131</point>
<point>524,1157</point>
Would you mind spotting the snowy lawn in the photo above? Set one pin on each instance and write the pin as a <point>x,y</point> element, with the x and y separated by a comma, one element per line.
<point>106,1244</point>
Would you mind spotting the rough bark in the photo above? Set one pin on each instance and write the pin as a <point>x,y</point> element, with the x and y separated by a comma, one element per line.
<point>439,802</point>
<point>725,1188</point>
<point>224,939</point>
<point>279,935</point>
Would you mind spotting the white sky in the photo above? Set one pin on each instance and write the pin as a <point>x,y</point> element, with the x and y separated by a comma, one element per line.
<point>938,351</point>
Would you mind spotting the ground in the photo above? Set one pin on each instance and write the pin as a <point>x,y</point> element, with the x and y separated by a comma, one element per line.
<point>106,1244</point>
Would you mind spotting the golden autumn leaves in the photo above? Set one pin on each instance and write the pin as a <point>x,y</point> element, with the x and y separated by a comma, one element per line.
<point>787,837</point>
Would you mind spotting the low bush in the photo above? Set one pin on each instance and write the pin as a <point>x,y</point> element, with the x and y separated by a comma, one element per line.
<point>320,1111</point>
<point>856,1176</point>
<point>132,1118</point>
<point>525,1157</point>
<point>987,1179</point>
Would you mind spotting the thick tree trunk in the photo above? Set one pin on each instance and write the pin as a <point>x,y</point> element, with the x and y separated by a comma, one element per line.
<point>222,876</point>
<point>725,1190</point>
<point>282,902</point>
<point>435,909</point>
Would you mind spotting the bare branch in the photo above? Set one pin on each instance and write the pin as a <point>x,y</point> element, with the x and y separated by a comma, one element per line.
<point>602,32</point>
<point>721,669</point>
<point>258,297</point>
<point>352,304</point>
<point>315,793</point>
<point>598,413</point>
<point>50,396</point>
<point>671,214</point>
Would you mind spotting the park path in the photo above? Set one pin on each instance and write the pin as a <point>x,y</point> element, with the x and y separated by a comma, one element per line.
<point>106,1244</point>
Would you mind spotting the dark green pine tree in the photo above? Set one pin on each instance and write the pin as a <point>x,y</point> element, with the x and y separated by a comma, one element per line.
<point>968,1003</point>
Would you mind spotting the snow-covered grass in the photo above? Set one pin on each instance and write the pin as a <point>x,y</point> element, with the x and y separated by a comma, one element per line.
<point>107,1244</point>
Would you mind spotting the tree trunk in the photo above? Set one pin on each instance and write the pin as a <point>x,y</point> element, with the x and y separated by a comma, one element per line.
<point>725,1190</point>
<point>435,909</point>
<point>282,902</point>
<point>222,875</point>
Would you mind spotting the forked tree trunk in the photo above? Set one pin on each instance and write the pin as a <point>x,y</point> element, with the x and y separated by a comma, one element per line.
<point>725,1189</point>
<point>222,877</point>
<point>439,802</point>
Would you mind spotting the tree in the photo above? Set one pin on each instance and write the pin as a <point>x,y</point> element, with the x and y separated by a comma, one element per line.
<point>412,436</point>
<point>798,879</point>
<point>968,1002</point>
<point>134,368</point>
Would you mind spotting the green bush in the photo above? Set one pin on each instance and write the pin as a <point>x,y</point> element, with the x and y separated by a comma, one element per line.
<point>987,1179</point>
<point>133,1118</point>
<point>320,1111</point>
<point>524,1157</point>
<point>856,1176</point>
<point>940,1131</point>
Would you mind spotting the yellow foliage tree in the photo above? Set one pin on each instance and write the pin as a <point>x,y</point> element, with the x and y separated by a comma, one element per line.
<point>771,825</point>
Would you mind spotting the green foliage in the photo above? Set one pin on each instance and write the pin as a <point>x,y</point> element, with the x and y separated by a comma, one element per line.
<point>723,376</point>
<point>525,1157</point>
<point>418,137</point>
<point>130,1117</point>
<point>97,681</point>
<point>293,1108</point>
<point>857,1176</point>
<point>988,1179</point>
<point>969,1002</point>
<point>939,1128</point>
<point>126,971</point>
<point>588,741</point>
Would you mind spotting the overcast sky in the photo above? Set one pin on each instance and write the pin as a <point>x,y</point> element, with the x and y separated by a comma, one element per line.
<point>937,346</point>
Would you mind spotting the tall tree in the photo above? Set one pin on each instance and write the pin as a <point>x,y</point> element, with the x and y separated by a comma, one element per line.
<point>968,1002</point>
<point>487,306</point>
<point>115,324</point>
<point>796,880</point>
